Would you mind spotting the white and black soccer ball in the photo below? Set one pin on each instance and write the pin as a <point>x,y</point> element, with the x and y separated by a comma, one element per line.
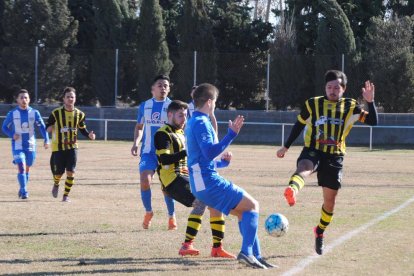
<point>276,225</point>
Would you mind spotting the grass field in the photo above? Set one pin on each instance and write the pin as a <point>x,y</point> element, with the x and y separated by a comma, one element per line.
<point>100,232</point>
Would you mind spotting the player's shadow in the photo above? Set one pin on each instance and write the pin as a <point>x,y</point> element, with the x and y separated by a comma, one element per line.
<point>137,265</point>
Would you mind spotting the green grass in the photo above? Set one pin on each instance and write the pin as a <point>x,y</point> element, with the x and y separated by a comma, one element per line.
<point>100,232</point>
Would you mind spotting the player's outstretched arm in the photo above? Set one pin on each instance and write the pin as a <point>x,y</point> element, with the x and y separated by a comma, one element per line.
<point>211,150</point>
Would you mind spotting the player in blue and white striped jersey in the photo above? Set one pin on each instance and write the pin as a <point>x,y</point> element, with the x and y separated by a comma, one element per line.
<point>19,125</point>
<point>152,114</point>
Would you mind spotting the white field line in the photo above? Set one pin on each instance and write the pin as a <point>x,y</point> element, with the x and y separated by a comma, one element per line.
<point>310,259</point>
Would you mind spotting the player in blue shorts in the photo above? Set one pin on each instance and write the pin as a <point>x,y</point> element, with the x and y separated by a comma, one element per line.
<point>19,125</point>
<point>152,114</point>
<point>212,189</point>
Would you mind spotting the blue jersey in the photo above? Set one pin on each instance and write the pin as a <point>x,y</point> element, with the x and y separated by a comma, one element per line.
<point>153,114</point>
<point>22,122</point>
<point>202,148</point>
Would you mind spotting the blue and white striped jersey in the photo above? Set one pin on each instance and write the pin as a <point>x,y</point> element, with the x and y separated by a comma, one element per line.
<point>153,114</point>
<point>22,122</point>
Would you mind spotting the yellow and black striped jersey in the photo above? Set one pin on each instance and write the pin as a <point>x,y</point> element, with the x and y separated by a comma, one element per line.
<point>65,128</point>
<point>328,123</point>
<point>169,144</point>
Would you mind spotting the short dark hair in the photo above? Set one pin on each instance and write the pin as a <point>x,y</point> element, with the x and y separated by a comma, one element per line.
<point>161,77</point>
<point>203,93</point>
<point>331,75</point>
<point>21,91</point>
<point>177,105</point>
<point>68,89</point>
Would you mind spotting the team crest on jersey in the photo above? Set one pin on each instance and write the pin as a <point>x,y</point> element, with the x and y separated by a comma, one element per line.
<point>204,136</point>
<point>155,116</point>
<point>25,127</point>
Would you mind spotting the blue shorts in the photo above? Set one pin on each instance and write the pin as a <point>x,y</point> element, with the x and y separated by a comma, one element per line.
<point>220,194</point>
<point>148,162</point>
<point>24,156</point>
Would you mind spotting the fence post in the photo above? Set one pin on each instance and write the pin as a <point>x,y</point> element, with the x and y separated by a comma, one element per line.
<point>267,82</point>
<point>106,131</point>
<point>195,69</point>
<point>36,73</point>
<point>370,138</point>
<point>283,135</point>
<point>116,76</point>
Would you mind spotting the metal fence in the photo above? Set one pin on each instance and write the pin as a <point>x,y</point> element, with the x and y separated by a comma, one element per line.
<point>266,133</point>
<point>45,70</point>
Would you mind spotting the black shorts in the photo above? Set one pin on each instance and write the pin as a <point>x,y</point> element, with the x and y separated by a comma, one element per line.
<point>63,160</point>
<point>327,166</point>
<point>179,190</point>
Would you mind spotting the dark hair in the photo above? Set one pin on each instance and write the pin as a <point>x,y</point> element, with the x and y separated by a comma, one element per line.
<point>68,89</point>
<point>203,93</point>
<point>161,77</point>
<point>336,75</point>
<point>21,91</point>
<point>177,105</point>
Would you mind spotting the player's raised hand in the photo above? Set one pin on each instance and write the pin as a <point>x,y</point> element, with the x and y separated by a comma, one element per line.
<point>227,156</point>
<point>92,135</point>
<point>368,92</point>
<point>236,124</point>
<point>281,152</point>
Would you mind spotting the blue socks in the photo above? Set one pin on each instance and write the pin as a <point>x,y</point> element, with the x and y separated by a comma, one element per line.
<point>21,177</point>
<point>249,224</point>
<point>170,205</point>
<point>256,245</point>
<point>146,200</point>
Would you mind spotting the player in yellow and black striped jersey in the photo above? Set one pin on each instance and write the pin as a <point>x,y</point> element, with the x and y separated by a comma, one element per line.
<point>172,170</point>
<point>64,123</point>
<point>327,121</point>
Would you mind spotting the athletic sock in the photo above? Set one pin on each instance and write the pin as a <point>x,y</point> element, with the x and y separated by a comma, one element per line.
<point>326,218</point>
<point>296,182</point>
<point>56,180</point>
<point>21,178</point>
<point>218,227</point>
<point>256,246</point>
<point>70,180</point>
<point>249,224</point>
<point>146,200</point>
<point>193,226</point>
<point>170,205</point>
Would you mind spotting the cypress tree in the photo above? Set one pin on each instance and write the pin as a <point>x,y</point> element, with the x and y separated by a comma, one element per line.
<point>152,51</point>
<point>390,63</point>
<point>48,25</point>
<point>335,37</point>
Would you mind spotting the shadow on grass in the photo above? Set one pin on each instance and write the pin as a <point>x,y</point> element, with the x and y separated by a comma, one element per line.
<point>54,233</point>
<point>84,265</point>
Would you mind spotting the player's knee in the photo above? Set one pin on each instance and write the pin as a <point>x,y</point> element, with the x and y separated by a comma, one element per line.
<point>254,205</point>
<point>198,208</point>
<point>21,167</point>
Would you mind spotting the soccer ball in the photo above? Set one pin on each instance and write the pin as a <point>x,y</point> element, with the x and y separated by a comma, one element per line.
<point>276,225</point>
